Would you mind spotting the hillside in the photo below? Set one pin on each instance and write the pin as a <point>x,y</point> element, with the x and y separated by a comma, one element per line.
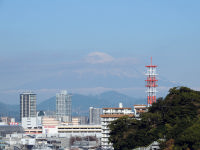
<point>174,118</point>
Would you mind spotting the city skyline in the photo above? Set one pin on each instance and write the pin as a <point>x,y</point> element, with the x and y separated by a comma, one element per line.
<point>90,47</point>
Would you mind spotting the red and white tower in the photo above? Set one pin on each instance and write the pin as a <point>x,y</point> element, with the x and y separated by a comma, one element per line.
<point>151,83</point>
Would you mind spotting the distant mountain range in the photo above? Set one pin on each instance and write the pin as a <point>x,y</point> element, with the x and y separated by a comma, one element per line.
<point>9,110</point>
<point>80,103</point>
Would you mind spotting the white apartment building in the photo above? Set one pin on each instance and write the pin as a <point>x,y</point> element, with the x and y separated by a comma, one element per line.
<point>139,109</point>
<point>29,122</point>
<point>111,114</point>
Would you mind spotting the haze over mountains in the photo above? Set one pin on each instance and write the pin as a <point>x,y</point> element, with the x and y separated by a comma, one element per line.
<point>80,103</point>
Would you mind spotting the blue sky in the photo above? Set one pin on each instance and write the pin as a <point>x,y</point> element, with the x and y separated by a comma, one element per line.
<point>90,47</point>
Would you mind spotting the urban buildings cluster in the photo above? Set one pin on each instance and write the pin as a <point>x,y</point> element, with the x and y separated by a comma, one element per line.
<point>39,130</point>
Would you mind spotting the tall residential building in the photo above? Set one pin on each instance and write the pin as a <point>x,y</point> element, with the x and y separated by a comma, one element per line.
<point>111,114</point>
<point>95,115</point>
<point>63,106</point>
<point>27,105</point>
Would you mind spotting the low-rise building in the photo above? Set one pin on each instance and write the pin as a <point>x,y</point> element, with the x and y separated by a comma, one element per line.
<point>79,120</point>
<point>6,120</point>
<point>76,121</point>
<point>7,129</point>
<point>33,122</point>
<point>139,109</point>
<point>80,129</point>
<point>49,125</point>
<point>29,122</point>
<point>33,131</point>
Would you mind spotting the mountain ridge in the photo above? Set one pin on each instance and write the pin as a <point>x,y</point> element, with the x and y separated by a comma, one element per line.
<point>80,103</point>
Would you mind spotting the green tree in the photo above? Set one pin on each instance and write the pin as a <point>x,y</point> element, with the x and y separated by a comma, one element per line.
<point>121,131</point>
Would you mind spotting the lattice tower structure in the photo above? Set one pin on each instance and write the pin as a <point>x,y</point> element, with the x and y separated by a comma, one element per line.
<point>151,83</point>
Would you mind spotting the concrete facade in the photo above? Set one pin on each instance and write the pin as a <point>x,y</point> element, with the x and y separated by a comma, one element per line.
<point>94,117</point>
<point>63,106</point>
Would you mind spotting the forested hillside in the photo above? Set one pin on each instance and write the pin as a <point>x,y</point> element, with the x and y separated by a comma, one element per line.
<point>176,119</point>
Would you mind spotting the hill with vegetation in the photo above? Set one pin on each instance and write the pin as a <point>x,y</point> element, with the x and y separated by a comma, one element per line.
<point>173,121</point>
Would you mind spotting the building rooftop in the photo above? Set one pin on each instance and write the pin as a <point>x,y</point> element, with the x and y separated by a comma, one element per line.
<point>24,93</point>
<point>140,105</point>
<point>6,129</point>
<point>141,108</point>
<point>117,108</point>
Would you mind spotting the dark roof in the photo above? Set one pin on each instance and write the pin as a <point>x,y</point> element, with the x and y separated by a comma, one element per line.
<point>41,113</point>
<point>7,129</point>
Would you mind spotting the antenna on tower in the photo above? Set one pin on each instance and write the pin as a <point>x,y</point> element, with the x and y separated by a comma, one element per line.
<point>151,83</point>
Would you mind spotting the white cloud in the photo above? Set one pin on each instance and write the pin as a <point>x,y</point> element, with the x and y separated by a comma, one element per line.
<point>98,57</point>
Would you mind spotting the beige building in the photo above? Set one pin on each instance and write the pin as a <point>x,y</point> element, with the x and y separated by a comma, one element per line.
<point>33,131</point>
<point>76,121</point>
<point>49,125</point>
